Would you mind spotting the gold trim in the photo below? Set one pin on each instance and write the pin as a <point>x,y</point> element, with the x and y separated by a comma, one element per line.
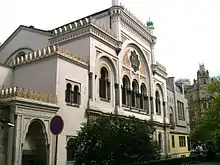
<point>28,94</point>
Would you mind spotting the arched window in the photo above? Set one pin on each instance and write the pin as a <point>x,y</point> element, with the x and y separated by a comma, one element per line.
<point>134,94</point>
<point>72,95</point>
<point>69,149</point>
<point>160,141</point>
<point>125,88</point>
<point>76,95</point>
<point>144,98</point>
<point>104,84</point>
<point>68,93</point>
<point>158,103</point>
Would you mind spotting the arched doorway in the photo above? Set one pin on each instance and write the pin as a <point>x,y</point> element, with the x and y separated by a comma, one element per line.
<point>35,150</point>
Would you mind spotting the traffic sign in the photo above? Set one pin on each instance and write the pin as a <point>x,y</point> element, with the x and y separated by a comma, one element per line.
<point>56,125</point>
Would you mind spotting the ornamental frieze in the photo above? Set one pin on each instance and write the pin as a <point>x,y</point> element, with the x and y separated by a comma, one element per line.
<point>126,71</point>
<point>125,59</point>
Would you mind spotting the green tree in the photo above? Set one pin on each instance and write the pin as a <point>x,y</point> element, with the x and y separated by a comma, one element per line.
<point>115,140</point>
<point>208,124</point>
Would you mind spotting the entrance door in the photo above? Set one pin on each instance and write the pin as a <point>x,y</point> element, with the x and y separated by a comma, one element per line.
<point>35,146</point>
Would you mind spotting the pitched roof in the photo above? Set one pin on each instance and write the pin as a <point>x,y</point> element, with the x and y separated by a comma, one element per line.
<point>22,27</point>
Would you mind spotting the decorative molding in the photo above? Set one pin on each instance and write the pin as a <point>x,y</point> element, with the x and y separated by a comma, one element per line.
<point>124,38</point>
<point>142,78</point>
<point>126,61</point>
<point>126,19</point>
<point>135,75</point>
<point>79,24</point>
<point>134,31</point>
<point>48,51</point>
<point>135,19</point>
<point>147,55</point>
<point>29,94</point>
<point>126,71</point>
<point>82,28</point>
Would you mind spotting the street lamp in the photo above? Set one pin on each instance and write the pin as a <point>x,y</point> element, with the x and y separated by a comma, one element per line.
<point>6,120</point>
<point>11,125</point>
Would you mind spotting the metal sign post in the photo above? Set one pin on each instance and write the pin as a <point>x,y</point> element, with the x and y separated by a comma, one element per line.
<point>56,127</point>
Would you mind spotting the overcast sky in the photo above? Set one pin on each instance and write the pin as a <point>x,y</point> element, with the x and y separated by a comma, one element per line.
<point>187,31</point>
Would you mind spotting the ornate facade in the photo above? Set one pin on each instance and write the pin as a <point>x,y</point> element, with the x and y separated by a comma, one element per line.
<point>101,64</point>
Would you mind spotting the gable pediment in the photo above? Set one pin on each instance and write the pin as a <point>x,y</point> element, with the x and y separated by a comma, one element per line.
<point>23,38</point>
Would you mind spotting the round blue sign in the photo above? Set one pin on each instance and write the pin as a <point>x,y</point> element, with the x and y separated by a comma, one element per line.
<point>56,125</point>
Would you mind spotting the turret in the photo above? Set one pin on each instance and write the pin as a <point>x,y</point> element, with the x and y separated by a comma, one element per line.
<point>202,75</point>
<point>115,3</point>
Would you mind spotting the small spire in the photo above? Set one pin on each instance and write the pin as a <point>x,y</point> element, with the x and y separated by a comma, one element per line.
<point>150,24</point>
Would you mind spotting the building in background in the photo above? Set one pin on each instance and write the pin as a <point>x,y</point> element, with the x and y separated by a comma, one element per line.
<point>177,105</point>
<point>197,95</point>
<point>100,64</point>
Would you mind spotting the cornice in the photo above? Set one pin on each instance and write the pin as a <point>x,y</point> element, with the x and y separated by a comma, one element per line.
<point>130,24</point>
<point>158,71</point>
<point>81,28</point>
<point>50,51</point>
<point>135,20</point>
<point>91,29</point>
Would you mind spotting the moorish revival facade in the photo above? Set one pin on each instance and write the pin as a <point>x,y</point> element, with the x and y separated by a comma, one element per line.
<point>100,64</point>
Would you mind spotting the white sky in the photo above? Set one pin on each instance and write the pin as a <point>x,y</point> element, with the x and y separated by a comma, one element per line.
<point>187,31</point>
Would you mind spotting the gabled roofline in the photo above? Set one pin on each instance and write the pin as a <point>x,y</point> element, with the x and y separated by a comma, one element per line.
<point>23,27</point>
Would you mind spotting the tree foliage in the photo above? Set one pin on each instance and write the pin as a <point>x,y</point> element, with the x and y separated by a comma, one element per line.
<point>115,140</point>
<point>4,105</point>
<point>208,124</point>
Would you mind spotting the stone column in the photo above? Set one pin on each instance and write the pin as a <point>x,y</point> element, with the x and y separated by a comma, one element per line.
<point>137,96</point>
<point>90,85</point>
<point>18,139</point>
<point>10,137</point>
<point>117,94</point>
<point>151,107</point>
<point>164,109</point>
<point>153,61</point>
<point>129,97</point>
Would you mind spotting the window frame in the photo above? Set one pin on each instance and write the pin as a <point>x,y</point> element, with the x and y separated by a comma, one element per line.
<point>73,94</point>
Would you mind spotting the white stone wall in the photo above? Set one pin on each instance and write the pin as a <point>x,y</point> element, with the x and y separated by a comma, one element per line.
<point>6,74</point>
<point>79,46</point>
<point>72,116</point>
<point>39,75</point>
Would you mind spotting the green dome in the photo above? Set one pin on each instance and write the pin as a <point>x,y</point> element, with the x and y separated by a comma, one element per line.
<point>150,24</point>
